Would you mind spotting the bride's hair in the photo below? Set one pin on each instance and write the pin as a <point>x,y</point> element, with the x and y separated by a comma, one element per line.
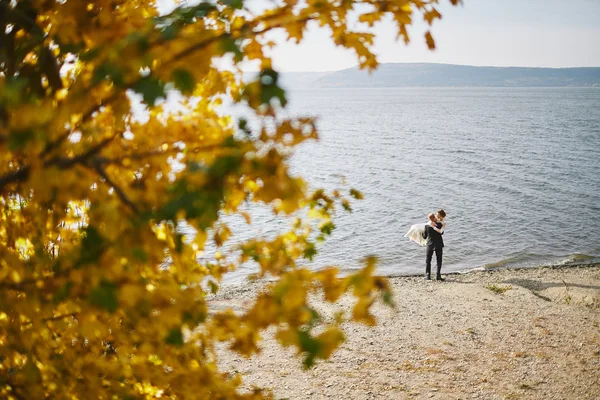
<point>442,213</point>
<point>431,216</point>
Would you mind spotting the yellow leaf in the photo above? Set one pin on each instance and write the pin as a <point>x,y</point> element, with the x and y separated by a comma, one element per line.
<point>429,40</point>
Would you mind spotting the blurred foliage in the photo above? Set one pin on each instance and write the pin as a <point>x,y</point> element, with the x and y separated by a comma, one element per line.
<point>91,198</point>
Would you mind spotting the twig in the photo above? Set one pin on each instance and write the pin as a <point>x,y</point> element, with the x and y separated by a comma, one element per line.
<point>98,168</point>
<point>64,163</point>
<point>74,315</point>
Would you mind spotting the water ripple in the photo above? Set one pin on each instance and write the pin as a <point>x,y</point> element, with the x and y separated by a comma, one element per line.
<point>516,170</point>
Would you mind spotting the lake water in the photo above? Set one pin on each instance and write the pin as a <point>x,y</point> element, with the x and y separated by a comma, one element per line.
<point>516,169</point>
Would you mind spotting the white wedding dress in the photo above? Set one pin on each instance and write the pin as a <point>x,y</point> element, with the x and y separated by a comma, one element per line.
<point>415,233</point>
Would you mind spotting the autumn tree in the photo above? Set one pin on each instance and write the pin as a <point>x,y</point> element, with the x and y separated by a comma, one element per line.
<point>101,295</point>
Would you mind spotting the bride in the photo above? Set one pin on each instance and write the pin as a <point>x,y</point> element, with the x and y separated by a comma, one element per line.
<point>415,233</point>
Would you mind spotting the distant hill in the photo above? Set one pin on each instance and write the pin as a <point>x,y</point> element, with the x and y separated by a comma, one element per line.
<point>438,75</point>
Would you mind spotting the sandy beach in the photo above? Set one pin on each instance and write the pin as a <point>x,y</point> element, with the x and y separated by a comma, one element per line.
<point>507,334</point>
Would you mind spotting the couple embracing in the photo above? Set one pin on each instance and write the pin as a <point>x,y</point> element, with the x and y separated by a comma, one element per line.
<point>430,235</point>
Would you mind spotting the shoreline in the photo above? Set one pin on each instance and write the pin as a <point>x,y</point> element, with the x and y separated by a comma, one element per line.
<point>527,333</point>
<point>491,270</point>
<point>241,282</point>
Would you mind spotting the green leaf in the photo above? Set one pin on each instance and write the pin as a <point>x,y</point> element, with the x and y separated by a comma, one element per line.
<point>151,89</point>
<point>195,316</point>
<point>18,140</point>
<point>270,89</point>
<point>170,31</point>
<point>105,296</point>
<point>270,92</point>
<point>183,15</point>
<point>63,293</point>
<point>327,228</point>
<point>310,251</point>
<point>14,90</point>
<point>92,246</point>
<point>214,288</point>
<point>310,346</point>
<point>225,165</point>
<point>108,71</point>
<point>231,45</point>
<point>140,40</point>
<point>174,337</point>
<point>87,55</point>
<point>346,205</point>
<point>139,254</point>
<point>179,243</point>
<point>74,48</point>
<point>315,318</point>
<point>184,81</point>
<point>387,298</point>
<point>268,77</point>
<point>199,11</point>
<point>237,4</point>
<point>243,125</point>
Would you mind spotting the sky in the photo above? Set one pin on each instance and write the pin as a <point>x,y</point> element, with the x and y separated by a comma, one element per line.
<point>524,33</point>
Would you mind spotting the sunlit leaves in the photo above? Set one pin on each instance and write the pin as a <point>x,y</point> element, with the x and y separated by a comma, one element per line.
<point>174,337</point>
<point>232,45</point>
<point>103,295</point>
<point>151,90</point>
<point>184,81</point>
<point>431,15</point>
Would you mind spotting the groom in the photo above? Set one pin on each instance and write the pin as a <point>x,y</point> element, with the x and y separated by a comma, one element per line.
<point>435,243</point>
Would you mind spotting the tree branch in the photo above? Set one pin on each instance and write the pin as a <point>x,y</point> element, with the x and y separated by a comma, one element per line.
<point>16,176</point>
<point>19,287</point>
<point>65,163</point>
<point>53,145</point>
<point>182,54</point>
<point>74,315</point>
<point>151,153</point>
<point>205,43</point>
<point>22,174</point>
<point>120,193</point>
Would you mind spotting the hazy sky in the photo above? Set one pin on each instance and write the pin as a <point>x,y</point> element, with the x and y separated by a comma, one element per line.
<point>530,33</point>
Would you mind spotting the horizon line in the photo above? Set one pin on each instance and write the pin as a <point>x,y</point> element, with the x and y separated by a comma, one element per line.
<point>439,63</point>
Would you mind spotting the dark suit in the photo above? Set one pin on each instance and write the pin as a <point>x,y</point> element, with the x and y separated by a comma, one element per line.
<point>435,243</point>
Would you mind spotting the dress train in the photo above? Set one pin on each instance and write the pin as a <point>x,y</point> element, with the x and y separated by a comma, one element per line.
<point>415,233</point>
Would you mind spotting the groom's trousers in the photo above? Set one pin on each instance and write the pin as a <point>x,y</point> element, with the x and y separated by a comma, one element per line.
<point>438,255</point>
